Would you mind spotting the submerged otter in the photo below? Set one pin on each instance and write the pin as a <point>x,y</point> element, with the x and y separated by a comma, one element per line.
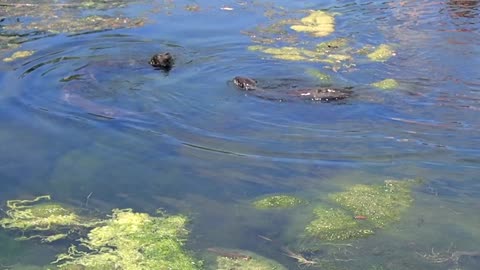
<point>94,80</point>
<point>162,61</point>
<point>324,94</point>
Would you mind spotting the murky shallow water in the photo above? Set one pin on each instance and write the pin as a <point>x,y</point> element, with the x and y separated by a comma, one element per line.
<point>86,115</point>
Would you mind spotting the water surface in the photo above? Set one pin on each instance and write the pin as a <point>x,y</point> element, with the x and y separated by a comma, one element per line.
<point>86,115</point>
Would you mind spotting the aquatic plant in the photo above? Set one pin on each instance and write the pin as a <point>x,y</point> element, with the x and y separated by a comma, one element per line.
<point>382,53</point>
<point>335,44</point>
<point>277,201</point>
<point>75,25</point>
<point>386,84</point>
<point>292,53</point>
<point>17,55</point>
<point>47,221</point>
<point>318,75</point>
<point>363,208</point>
<point>105,4</point>
<point>380,204</point>
<point>336,224</point>
<point>8,43</point>
<point>318,23</point>
<point>133,241</point>
<point>250,261</point>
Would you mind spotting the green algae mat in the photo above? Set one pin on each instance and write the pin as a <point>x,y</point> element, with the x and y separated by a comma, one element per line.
<point>127,240</point>
<point>361,209</point>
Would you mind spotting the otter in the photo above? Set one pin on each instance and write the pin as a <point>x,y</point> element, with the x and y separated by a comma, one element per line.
<point>324,94</point>
<point>162,61</point>
<point>245,83</point>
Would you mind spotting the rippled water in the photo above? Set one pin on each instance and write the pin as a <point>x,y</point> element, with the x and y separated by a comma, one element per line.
<point>86,115</point>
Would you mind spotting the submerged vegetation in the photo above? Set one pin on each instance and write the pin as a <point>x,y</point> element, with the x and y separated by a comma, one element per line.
<point>382,53</point>
<point>332,45</point>
<point>362,209</point>
<point>278,41</point>
<point>133,241</point>
<point>335,224</point>
<point>17,55</point>
<point>289,53</point>
<point>40,218</point>
<point>300,54</point>
<point>277,201</point>
<point>246,261</point>
<point>127,240</point>
<point>77,25</point>
<point>46,17</point>
<point>380,204</point>
<point>319,75</point>
<point>357,212</point>
<point>318,23</point>
<point>386,84</point>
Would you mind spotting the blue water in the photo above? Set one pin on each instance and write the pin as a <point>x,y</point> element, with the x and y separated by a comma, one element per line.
<point>188,141</point>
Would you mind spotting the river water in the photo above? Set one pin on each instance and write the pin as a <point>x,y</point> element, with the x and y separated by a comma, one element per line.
<point>87,119</point>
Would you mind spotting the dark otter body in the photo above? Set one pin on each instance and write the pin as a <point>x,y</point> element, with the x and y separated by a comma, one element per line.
<point>324,94</point>
<point>245,83</point>
<point>162,60</point>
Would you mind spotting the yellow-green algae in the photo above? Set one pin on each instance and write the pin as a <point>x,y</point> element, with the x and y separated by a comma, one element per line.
<point>133,241</point>
<point>334,44</point>
<point>318,75</point>
<point>277,201</point>
<point>318,23</point>
<point>382,53</point>
<point>292,53</point>
<point>17,55</point>
<point>336,224</point>
<point>386,84</point>
<point>380,204</point>
<point>42,217</point>
<point>362,209</point>
<point>76,25</point>
<point>251,262</point>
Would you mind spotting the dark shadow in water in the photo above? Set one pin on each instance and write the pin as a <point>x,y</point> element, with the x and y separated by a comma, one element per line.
<point>463,8</point>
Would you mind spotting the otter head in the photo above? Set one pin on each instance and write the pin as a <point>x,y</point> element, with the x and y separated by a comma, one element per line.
<point>162,60</point>
<point>245,83</point>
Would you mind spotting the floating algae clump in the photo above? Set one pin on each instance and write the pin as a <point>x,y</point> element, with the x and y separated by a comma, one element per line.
<point>132,241</point>
<point>335,44</point>
<point>318,23</point>
<point>336,224</point>
<point>386,84</point>
<point>248,261</point>
<point>77,25</point>
<point>277,201</point>
<point>382,53</point>
<point>17,55</point>
<point>363,208</point>
<point>318,75</point>
<point>43,218</point>
<point>380,204</point>
<point>291,53</point>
